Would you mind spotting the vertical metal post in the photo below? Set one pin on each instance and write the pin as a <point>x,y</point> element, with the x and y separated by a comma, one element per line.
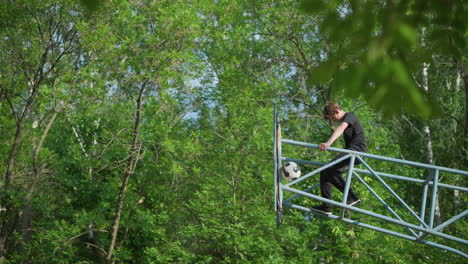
<point>348,183</point>
<point>423,202</point>
<point>275,156</point>
<point>435,181</point>
<point>277,168</point>
<point>433,198</point>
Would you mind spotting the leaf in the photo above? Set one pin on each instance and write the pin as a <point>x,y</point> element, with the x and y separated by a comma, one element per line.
<point>312,6</point>
<point>323,72</point>
<point>408,33</point>
<point>349,80</point>
<point>341,30</point>
<point>401,74</point>
<point>91,5</point>
<point>375,51</point>
<point>459,42</point>
<point>330,23</point>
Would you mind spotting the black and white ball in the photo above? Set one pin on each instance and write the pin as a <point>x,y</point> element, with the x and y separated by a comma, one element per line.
<point>291,171</point>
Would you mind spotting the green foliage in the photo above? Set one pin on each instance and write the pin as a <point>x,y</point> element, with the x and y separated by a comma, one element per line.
<point>210,72</point>
<point>92,5</point>
<point>376,54</point>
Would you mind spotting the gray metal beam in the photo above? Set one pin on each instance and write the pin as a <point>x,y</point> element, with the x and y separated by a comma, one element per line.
<point>382,174</point>
<point>382,217</point>
<point>379,229</point>
<point>373,156</point>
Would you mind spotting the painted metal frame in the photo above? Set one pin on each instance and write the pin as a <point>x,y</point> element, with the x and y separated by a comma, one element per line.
<point>277,167</point>
<point>417,232</point>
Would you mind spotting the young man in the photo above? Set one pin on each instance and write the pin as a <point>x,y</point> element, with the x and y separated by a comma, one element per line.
<point>351,129</point>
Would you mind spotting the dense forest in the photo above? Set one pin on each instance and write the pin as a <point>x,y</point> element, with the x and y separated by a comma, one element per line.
<point>136,131</point>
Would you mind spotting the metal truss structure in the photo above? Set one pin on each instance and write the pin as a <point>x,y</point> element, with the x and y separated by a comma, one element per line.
<point>421,226</point>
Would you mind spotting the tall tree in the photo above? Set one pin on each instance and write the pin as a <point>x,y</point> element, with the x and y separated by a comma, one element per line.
<point>34,53</point>
<point>152,48</point>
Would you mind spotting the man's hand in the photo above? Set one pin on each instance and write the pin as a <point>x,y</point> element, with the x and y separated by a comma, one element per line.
<point>324,146</point>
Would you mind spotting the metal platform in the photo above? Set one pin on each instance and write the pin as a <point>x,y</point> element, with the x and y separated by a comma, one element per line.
<point>421,228</point>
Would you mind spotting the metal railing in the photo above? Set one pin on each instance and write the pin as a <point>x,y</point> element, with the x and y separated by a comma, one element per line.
<point>420,232</point>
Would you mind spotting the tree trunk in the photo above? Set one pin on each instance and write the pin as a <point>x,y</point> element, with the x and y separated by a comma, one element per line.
<point>28,208</point>
<point>129,169</point>
<point>464,77</point>
<point>428,144</point>
<point>5,200</point>
<point>54,45</point>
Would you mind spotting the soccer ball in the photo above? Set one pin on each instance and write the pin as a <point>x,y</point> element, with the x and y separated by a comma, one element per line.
<point>291,171</point>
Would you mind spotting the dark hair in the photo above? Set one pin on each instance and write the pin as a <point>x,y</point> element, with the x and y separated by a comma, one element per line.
<point>330,108</point>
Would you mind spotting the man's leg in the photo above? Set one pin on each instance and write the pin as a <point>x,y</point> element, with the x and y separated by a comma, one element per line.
<point>333,176</point>
<point>325,184</point>
<point>328,177</point>
<point>336,178</point>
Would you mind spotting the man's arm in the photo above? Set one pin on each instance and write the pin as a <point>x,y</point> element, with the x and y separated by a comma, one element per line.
<point>336,134</point>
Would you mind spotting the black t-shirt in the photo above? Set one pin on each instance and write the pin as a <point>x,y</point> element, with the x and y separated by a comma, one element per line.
<point>354,134</point>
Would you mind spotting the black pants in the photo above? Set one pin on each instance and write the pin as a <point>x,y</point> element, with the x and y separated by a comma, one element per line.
<point>332,176</point>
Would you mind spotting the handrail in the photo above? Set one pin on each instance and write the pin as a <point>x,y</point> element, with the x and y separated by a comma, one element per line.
<point>367,155</point>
